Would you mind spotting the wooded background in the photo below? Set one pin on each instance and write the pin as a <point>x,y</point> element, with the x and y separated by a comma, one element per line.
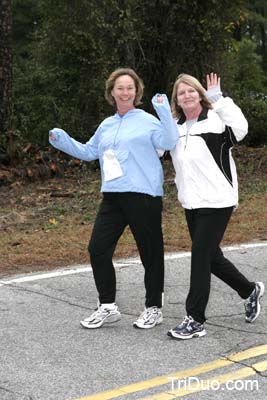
<point>56,55</point>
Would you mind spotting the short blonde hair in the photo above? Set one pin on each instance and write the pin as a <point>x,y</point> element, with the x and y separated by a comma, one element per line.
<point>194,83</point>
<point>110,83</point>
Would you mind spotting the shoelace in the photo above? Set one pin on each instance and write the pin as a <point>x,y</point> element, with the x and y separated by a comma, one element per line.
<point>186,321</point>
<point>146,314</point>
<point>98,312</point>
<point>249,300</point>
<point>250,305</point>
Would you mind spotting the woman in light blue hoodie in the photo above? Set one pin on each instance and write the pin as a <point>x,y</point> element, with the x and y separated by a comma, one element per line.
<point>127,145</point>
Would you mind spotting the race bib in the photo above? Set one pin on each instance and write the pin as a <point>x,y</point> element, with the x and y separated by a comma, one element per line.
<point>111,166</point>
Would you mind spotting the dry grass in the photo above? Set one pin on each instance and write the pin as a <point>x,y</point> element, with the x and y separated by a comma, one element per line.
<point>41,230</point>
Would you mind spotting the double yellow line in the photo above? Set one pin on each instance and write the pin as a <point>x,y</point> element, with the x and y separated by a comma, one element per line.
<point>201,369</point>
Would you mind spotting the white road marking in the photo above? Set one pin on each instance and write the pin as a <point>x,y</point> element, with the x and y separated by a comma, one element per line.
<point>122,263</point>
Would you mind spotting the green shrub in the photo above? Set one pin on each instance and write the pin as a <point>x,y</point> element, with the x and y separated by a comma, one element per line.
<point>255,110</point>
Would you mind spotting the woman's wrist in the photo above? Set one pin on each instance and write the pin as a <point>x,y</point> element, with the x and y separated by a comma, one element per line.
<point>214,94</point>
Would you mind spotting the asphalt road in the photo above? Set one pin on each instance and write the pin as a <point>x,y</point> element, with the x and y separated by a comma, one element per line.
<point>46,355</point>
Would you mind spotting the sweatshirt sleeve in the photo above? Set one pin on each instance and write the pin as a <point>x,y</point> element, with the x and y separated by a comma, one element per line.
<point>232,116</point>
<point>65,143</point>
<point>167,135</point>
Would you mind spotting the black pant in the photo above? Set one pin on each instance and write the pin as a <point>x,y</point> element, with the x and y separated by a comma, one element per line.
<point>207,227</point>
<point>143,214</point>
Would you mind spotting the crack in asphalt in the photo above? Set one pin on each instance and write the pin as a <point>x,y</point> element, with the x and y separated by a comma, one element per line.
<point>235,329</point>
<point>28,397</point>
<point>23,289</point>
<point>243,364</point>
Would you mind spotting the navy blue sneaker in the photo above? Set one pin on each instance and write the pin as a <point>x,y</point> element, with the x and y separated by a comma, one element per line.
<point>188,329</point>
<point>252,304</point>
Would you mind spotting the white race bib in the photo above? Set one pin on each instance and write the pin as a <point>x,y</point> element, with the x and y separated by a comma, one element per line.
<point>111,166</point>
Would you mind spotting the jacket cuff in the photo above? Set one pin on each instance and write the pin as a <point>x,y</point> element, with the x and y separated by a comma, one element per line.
<point>214,94</point>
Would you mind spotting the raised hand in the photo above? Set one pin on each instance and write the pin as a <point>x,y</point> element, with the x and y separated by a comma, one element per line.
<point>159,98</point>
<point>52,136</point>
<point>213,81</point>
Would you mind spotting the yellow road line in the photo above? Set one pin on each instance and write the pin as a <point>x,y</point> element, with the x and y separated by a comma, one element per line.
<point>209,383</point>
<point>165,379</point>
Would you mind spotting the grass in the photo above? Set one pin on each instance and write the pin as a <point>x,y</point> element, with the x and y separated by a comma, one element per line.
<point>40,229</point>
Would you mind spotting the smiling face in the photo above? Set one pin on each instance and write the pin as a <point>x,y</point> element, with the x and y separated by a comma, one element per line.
<point>124,92</point>
<point>188,98</point>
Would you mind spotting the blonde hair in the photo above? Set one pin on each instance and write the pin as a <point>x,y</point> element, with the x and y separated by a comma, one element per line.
<point>110,83</point>
<point>194,83</point>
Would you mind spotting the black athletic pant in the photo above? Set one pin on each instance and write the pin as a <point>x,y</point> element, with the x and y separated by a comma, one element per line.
<point>143,214</point>
<point>207,227</point>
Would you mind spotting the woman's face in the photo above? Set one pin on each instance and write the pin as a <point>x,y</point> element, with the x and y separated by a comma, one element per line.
<point>188,98</point>
<point>124,92</point>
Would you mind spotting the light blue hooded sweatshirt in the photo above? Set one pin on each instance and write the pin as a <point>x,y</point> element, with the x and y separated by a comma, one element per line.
<point>134,139</point>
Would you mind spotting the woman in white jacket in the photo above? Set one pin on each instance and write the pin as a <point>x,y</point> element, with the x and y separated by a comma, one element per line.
<point>209,125</point>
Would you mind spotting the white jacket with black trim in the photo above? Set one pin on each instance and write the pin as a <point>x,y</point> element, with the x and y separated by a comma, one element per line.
<point>205,170</point>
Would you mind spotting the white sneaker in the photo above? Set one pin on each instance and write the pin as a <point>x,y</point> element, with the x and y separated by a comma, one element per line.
<point>104,314</point>
<point>149,318</point>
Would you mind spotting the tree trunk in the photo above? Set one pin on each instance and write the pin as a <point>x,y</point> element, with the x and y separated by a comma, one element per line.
<point>5,72</point>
